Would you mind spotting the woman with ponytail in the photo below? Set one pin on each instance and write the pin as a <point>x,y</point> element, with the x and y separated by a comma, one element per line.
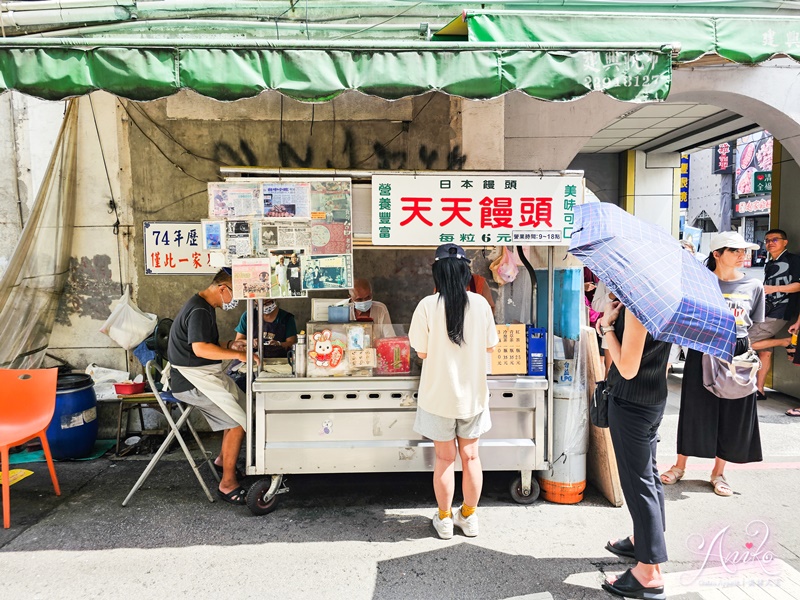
<point>452,330</point>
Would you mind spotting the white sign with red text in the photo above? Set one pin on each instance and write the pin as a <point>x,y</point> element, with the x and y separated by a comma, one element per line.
<point>175,249</point>
<point>474,209</point>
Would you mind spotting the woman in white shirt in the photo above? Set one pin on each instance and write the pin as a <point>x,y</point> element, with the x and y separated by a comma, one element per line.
<point>452,330</point>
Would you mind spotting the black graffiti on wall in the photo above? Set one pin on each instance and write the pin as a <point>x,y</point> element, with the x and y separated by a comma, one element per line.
<point>381,157</point>
<point>89,290</point>
<point>227,155</point>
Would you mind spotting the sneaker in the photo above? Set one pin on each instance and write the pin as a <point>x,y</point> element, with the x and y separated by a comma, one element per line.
<point>467,525</point>
<point>444,527</point>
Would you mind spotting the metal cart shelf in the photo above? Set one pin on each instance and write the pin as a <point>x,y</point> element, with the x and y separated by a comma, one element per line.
<point>365,425</point>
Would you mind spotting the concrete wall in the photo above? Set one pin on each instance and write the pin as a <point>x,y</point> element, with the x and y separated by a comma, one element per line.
<point>29,131</point>
<point>706,191</point>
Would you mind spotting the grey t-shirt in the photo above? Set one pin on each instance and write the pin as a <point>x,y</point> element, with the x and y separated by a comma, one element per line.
<point>746,299</point>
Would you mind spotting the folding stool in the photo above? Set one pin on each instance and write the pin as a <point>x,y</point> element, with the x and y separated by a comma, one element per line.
<point>166,401</point>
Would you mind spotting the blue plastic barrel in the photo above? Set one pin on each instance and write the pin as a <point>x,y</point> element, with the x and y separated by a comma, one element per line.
<point>73,430</point>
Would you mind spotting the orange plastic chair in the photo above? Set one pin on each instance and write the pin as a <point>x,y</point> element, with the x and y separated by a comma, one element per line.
<point>27,404</point>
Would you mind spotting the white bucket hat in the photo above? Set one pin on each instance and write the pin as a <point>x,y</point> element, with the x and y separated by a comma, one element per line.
<point>730,239</point>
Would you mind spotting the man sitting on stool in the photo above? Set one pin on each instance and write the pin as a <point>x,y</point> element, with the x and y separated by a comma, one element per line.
<point>197,378</point>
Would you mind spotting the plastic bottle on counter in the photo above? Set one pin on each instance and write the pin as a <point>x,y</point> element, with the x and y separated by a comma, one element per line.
<point>300,355</point>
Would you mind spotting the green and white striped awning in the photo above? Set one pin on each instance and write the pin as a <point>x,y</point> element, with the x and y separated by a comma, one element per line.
<point>145,69</point>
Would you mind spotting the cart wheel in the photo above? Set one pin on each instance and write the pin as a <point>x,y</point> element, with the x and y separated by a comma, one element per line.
<point>262,497</point>
<point>516,491</point>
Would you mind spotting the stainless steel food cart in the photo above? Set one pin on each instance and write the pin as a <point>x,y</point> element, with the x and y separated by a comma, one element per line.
<point>364,425</point>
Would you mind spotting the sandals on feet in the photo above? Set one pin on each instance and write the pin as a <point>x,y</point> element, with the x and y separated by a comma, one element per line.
<point>237,496</point>
<point>793,412</point>
<point>622,547</point>
<point>673,475</point>
<point>721,487</point>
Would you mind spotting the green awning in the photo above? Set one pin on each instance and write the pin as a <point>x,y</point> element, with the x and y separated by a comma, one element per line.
<point>744,39</point>
<point>146,69</point>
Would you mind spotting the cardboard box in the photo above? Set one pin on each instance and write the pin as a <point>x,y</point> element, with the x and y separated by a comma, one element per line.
<point>510,355</point>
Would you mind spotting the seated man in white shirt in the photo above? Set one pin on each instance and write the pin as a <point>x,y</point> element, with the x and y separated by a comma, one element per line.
<point>364,308</point>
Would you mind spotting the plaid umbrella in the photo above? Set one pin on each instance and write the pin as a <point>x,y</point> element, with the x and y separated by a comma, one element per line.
<point>675,297</point>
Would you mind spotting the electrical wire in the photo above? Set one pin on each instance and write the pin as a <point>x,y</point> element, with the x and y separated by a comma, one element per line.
<point>112,203</point>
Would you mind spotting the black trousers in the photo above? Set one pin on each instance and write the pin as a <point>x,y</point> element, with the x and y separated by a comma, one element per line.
<point>633,430</point>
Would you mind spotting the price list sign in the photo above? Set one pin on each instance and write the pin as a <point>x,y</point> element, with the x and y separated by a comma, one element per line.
<point>509,356</point>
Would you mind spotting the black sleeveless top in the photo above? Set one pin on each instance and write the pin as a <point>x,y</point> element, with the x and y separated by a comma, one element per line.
<point>649,385</point>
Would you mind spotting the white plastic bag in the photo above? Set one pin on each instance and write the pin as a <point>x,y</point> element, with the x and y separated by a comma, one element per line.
<point>127,325</point>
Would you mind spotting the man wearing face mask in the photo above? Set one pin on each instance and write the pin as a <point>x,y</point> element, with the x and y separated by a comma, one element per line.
<point>280,334</point>
<point>197,378</point>
<point>364,308</point>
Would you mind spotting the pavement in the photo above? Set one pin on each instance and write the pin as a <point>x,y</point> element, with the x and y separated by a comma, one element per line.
<point>368,536</point>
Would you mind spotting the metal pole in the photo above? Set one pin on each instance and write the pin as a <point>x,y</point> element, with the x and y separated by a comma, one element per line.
<point>249,404</point>
<point>550,349</point>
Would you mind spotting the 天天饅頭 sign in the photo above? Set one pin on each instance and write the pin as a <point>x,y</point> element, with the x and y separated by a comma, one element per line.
<point>474,209</point>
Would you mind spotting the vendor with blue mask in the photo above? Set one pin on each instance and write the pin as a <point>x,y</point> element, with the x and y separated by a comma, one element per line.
<point>364,308</point>
<point>280,331</point>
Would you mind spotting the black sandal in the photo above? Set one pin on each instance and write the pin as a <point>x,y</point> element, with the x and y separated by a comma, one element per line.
<point>237,496</point>
<point>622,547</point>
<point>627,586</point>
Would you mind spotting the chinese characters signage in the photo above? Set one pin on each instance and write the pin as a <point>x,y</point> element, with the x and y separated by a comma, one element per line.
<point>175,249</point>
<point>509,356</point>
<point>723,159</point>
<point>684,181</point>
<point>474,209</point>
<point>762,182</point>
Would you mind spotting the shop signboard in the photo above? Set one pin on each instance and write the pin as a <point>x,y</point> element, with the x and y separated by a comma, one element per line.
<point>684,181</point>
<point>762,182</point>
<point>753,154</point>
<point>474,209</point>
<point>749,207</point>
<point>172,248</point>
<point>723,159</point>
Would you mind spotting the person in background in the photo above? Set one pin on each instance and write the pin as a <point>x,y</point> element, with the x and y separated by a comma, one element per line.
<point>295,276</point>
<point>675,351</point>
<point>364,308</point>
<point>637,385</point>
<point>279,335</point>
<point>781,285</point>
<point>452,330</point>
<point>196,376</point>
<point>281,273</point>
<point>711,427</point>
<point>479,285</point>
<point>791,354</point>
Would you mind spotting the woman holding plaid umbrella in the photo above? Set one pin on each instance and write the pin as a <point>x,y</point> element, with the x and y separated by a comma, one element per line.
<point>708,426</point>
<point>637,384</point>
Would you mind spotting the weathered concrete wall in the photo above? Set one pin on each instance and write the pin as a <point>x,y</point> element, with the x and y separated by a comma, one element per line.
<point>100,257</point>
<point>706,191</point>
<point>28,130</point>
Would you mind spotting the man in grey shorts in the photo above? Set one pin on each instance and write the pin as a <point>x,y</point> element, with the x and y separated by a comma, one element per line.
<point>197,377</point>
<point>781,286</point>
